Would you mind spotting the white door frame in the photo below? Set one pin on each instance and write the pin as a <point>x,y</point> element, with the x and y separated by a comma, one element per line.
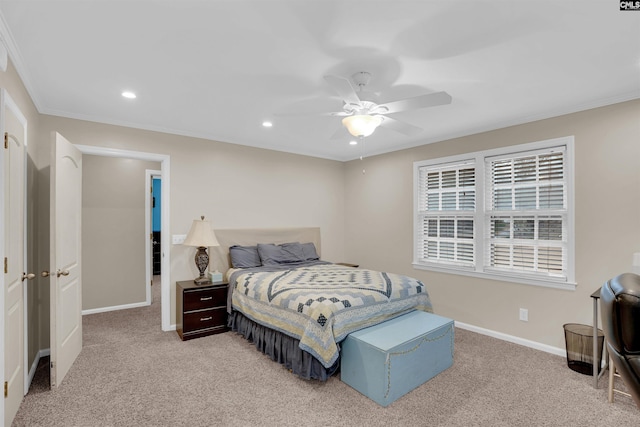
<point>165,160</point>
<point>148,182</point>
<point>7,102</point>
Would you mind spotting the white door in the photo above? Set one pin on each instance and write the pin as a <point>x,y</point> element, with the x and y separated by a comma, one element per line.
<point>65,274</point>
<point>14,262</point>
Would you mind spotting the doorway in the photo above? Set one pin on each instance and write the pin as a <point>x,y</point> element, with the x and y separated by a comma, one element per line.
<point>164,161</point>
<point>156,203</point>
<point>153,233</point>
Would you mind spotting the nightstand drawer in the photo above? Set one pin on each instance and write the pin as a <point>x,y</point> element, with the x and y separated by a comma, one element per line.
<point>216,317</point>
<point>205,298</point>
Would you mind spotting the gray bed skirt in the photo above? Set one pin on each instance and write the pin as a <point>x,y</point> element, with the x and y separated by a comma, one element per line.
<point>281,348</point>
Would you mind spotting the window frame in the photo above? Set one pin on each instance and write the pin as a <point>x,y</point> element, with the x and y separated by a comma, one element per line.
<point>446,214</point>
<point>478,159</point>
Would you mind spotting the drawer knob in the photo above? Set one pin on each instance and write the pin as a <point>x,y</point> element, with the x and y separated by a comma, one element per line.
<point>204,319</point>
<point>205,298</point>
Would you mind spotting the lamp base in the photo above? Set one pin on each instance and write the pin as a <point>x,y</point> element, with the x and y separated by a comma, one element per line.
<point>204,280</point>
<point>202,262</point>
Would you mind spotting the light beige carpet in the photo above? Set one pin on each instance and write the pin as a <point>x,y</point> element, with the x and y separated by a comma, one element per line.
<point>130,373</point>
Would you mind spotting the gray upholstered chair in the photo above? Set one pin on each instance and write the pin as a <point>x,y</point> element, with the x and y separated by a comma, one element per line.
<point>620,306</point>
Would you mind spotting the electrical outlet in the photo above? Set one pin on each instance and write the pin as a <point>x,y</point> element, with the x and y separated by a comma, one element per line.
<point>178,239</point>
<point>524,314</point>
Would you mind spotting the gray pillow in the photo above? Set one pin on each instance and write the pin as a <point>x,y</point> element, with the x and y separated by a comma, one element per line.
<point>309,252</point>
<point>244,256</point>
<point>271,254</point>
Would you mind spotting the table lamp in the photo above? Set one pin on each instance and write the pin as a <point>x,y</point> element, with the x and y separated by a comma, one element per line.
<point>201,235</point>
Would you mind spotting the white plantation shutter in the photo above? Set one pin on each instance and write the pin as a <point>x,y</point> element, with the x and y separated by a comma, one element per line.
<point>503,214</point>
<point>446,209</point>
<point>526,213</point>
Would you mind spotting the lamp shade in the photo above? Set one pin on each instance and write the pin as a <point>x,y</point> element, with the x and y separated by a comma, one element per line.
<point>361,124</point>
<point>201,234</point>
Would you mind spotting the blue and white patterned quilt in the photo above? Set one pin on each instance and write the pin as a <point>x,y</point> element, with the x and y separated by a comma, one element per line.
<point>321,304</point>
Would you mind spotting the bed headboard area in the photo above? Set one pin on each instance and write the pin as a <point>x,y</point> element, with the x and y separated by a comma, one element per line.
<point>250,237</point>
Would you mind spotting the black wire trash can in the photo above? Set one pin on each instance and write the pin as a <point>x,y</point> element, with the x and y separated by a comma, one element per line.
<point>579,342</point>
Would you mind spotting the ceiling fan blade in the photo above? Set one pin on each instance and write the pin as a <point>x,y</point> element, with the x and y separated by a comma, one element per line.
<point>310,113</point>
<point>344,88</point>
<point>400,127</point>
<point>340,133</point>
<point>422,101</point>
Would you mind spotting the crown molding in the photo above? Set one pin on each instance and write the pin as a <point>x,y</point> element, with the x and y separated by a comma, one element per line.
<point>16,59</point>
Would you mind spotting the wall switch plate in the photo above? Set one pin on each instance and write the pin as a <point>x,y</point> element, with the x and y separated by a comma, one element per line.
<point>178,239</point>
<point>524,314</point>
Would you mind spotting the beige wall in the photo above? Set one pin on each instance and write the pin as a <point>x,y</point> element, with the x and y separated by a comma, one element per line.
<point>233,186</point>
<point>113,231</point>
<point>379,221</point>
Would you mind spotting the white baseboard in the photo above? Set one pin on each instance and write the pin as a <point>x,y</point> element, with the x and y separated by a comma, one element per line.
<point>115,307</point>
<point>123,307</point>
<point>516,340</point>
<point>32,370</point>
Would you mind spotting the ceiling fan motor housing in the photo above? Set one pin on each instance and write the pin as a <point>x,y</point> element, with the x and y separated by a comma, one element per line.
<point>361,78</point>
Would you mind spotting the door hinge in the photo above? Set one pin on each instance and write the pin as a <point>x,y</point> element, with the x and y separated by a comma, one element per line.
<point>6,388</point>
<point>6,265</point>
<point>6,140</point>
<point>151,236</point>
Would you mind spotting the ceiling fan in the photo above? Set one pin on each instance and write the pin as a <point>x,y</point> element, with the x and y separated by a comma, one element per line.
<point>362,116</point>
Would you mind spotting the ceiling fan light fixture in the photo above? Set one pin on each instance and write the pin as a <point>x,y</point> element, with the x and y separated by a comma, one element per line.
<point>361,124</point>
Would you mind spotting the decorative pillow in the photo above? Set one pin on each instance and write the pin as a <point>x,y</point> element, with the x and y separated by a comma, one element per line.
<point>244,256</point>
<point>271,254</point>
<point>309,251</point>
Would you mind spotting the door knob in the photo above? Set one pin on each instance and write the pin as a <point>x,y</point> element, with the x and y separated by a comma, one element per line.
<point>62,273</point>
<point>27,276</point>
<point>45,273</point>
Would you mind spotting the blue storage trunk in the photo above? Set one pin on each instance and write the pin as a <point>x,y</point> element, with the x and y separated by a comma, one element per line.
<point>388,360</point>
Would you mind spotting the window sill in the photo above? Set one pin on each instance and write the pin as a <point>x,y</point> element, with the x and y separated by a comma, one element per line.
<point>567,286</point>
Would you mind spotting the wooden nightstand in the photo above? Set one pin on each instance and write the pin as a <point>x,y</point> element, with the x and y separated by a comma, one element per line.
<point>200,309</point>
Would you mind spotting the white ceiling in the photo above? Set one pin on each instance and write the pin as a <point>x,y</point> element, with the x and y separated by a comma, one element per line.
<point>217,69</point>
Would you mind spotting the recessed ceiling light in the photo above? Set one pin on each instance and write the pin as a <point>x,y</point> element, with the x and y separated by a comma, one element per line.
<point>267,124</point>
<point>353,142</point>
<point>129,95</point>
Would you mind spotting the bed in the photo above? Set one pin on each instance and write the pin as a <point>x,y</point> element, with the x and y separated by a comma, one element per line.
<point>297,308</point>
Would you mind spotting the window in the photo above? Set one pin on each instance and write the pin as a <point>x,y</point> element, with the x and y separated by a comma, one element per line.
<point>505,214</point>
<point>446,214</point>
